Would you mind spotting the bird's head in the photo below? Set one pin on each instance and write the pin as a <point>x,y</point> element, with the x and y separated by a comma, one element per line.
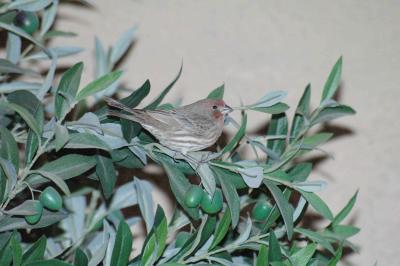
<point>217,109</point>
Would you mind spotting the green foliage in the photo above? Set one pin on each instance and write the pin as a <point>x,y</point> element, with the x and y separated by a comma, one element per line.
<point>62,165</point>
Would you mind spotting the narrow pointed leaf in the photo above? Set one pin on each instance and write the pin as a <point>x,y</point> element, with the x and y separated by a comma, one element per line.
<point>106,173</point>
<point>222,229</point>
<point>218,93</point>
<point>159,99</point>
<point>345,211</point>
<point>274,251</point>
<point>9,148</point>
<point>35,251</point>
<point>67,89</point>
<point>285,208</point>
<point>333,81</point>
<point>98,85</point>
<point>123,245</point>
<point>318,204</point>
<point>231,196</point>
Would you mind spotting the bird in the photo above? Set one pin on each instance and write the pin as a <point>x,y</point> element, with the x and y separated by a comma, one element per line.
<point>188,128</point>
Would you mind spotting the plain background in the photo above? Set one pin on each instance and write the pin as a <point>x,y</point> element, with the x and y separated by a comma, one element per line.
<point>258,46</point>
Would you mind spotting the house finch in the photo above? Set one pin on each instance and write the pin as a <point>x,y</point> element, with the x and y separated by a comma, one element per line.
<point>188,128</point>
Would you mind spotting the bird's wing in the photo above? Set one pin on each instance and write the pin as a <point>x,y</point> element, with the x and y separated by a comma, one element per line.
<point>163,117</point>
<point>187,121</point>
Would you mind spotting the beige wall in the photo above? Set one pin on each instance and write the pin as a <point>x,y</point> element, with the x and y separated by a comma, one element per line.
<point>257,46</point>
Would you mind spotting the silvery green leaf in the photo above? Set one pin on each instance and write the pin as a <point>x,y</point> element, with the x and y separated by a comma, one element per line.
<point>245,234</point>
<point>19,85</point>
<point>100,252</point>
<point>222,261</point>
<point>168,254</point>
<point>62,137</point>
<point>316,237</point>
<point>25,208</point>
<point>62,51</point>
<point>285,208</point>
<point>318,204</point>
<point>100,213</point>
<point>67,166</point>
<point>112,135</point>
<point>253,177</point>
<point>110,90</point>
<point>206,246</point>
<point>143,191</point>
<point>13,47</point>
<point>86,141</point>
<point>96,241</point>
<point>8,67</point>
<point>217,93</point>
<point>265,149</point>
<point>20,32</point>
<point>88,121</point>
<point>58,33</point>
<point>48,218</point>
<point>311,186</point>
<point>74,224</point>
<point>101,59</point>
<point>9,147</point>
<point>180,220</point>
<point>122,45</point>
<point>207,177</point>
<point>328,103</point>
<point>48,17</point>
<point>98,86</point>
<point>299,209</point>
<point>139,152</point>
<point>333,81</point>
<point>10,173</point>
<point>29,5</point>
<point>156,102</point>
<point>53,249</point>
<point>111,242</point>
<point>25,114</point>
<point>330,113</point>
<point>49,78</point>
<point>270,99</point>
<point>49,127</point>
<point>58,180</point>
<point>247,163</point>
<point>112,130</point>
<point>197,240</point>
<point>106,174</point>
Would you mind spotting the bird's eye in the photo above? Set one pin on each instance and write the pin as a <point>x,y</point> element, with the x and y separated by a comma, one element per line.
<point>215,107</point>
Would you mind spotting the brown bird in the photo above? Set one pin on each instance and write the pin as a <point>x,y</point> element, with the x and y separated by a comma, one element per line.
<point>192,127</point>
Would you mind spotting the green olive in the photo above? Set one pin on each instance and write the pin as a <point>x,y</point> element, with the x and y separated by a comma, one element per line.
<point>35,218</point>
<point>212,204</point>
<point>261,210</point>
<point>51,199</point>
<point>194,196</point>
<point>181,238</point>
<point>28,21</point>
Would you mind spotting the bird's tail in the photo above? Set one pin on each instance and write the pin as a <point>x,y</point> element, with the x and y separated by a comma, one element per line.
<point>133,114</point>
<point>122,115</point>
<point>116,104</point>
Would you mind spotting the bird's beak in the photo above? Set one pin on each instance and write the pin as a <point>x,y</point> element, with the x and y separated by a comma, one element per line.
<point>226,110</point>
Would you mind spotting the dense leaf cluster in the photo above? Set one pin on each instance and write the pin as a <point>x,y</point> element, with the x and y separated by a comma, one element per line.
<point>60,165</point>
